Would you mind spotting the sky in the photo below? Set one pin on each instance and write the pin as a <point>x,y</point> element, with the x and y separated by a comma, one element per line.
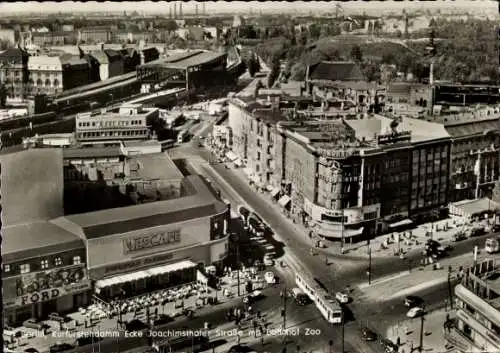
<point>242,6</point>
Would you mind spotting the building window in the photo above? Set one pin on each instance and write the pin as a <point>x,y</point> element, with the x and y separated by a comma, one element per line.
<point>77,260</point>
<point>58,261</point>
<point>6,268</point>
<point>25,268</point>
<point>44,264</point>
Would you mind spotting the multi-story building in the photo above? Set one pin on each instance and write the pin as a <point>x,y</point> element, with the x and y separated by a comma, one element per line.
<point>345,174</point>
<point>43,266</point>
<point>43,39</point>
<point>403,97</point>
<point>362,95</point>
<point>103,61</point>
<point>45,74</point>
<point>332,71</point>
<point>115,62</point>
<point>76,71</point>
<point>477,327</point>
<point>129,123</point>
<point>94,35</point>
<point>14,71</point>
<point>475,157</point>
<point>8,35</point>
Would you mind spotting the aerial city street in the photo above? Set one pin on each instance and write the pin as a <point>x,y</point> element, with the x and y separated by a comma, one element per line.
<point>226,177</point>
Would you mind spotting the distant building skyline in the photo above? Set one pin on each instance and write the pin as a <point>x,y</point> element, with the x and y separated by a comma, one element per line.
<point>162,7</point>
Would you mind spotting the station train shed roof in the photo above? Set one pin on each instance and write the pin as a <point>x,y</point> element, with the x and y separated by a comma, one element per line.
<point>185,60</point>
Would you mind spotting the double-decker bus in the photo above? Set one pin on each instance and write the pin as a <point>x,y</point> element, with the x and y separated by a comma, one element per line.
<point>316,291</point>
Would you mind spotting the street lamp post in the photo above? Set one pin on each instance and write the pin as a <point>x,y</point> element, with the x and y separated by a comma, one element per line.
<point>283,312</point>
<point>450,289</point>
<point>420,347</point>
<point>343,331</point>
<point>369,272</point>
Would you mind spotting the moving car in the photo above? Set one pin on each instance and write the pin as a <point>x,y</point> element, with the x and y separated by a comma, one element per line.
<point>251,297</point>
<point>60,347</point>
<point>162,320</point>
<point>240,349</point>
<point>415,312</point>
<point>12,332</point>
<point>31,350</point>
<point>412,301</point>
<point>368,335</point>
<point>342,297</point>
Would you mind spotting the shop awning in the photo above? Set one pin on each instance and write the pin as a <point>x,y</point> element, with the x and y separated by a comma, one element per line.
<point>129,277</point>
<point>284,201</point>
<point>231,156</point>
<point>171,267</point>
<point>334,231</point>
<point>135,276</point>
<point>404,222</point>
<point>348,233</point>
<point>275,192</point>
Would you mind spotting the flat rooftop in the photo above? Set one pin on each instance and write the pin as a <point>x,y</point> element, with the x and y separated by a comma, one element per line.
<point>183,61</point>
<point>204,202</point>
<point>24,241</point>
<point>421,130</point>
<point>92,152</point>
<point>155,167</point>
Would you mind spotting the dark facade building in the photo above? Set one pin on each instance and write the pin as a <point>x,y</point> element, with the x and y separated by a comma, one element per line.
<point>131,59</point>
<point>150,54</point>
<point>14,71</point>
<point>115,61</point>
<point>93,64</point>
<point>76,71</point>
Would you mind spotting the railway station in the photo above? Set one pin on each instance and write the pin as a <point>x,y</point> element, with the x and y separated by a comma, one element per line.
<point>192,69</point>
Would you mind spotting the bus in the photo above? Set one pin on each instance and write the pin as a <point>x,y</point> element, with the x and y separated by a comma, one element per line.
<point>326,304</point>
<point>182,136</point>
<point>189,343</point>
<point>166,144</point>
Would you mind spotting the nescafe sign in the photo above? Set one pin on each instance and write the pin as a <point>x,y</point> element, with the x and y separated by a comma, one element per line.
<point>40,296</point>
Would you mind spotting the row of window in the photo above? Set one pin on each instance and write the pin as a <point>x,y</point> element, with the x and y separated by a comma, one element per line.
<point>44,264</point>
<point>110,123</point>
<point>137,133</point>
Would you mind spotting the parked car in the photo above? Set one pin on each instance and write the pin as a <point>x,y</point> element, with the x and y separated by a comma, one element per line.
<point>60,347</point>
<point>56,317</point>
<point>135,325</point>
<point>458,236</point>
<point>86,340</point>
<point>368,335</point>
<point>31,350</point>
<point>244,212</point>
<point>268,261</point>
<point>412,301</point>
<point>240,349</point>
<point>35,324</point>
<point>12,332</point>
<point>415,312</point>
<point>342,297</point>
<point>270,278</point>
<point>388,345</point>
<point>477,231</point>
<point>162,320</point>
<point>252,297</point>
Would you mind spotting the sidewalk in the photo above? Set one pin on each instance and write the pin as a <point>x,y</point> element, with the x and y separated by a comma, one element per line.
<point>106,327</point>
<point>406,283</point>
<point>408,332</point>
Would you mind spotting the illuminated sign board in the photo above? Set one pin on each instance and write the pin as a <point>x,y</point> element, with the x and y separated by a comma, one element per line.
<point>150,241</point>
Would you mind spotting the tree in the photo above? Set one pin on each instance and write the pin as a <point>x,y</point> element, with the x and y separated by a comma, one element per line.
<point>298,72</point>
<point>3,95</point>
<point>275,71</point>
<point>496,192</point>
<point>314,31</point>
<point>356,53</point>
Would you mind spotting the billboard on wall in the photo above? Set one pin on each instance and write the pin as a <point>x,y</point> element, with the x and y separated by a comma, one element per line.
<point>156,241</point>
<point>45,285</point>
<point>38,281</point>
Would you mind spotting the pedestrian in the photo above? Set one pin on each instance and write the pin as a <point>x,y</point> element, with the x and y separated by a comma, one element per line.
<point>250,309</point>
<point>258,314</point>
<point>398,342</point>
<point>156,311</point>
